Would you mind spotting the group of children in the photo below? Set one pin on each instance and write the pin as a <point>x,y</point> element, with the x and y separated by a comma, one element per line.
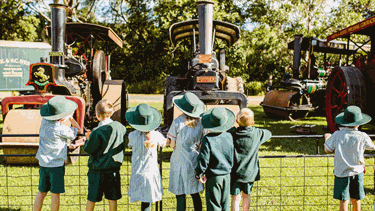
<point>207,149</point>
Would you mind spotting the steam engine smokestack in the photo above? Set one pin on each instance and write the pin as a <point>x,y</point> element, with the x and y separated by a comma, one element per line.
<point>205,14</point>
<point>297,56</point>
<point>58,9</point>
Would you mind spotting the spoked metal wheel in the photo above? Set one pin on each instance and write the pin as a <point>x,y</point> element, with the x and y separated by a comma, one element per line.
<point>99,74</point>
<point>345,87</point>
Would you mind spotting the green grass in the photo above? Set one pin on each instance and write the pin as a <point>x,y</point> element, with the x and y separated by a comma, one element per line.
<point>287,183</point>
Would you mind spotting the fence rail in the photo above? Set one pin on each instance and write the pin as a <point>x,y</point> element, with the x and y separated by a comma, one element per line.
<point>288,182</point>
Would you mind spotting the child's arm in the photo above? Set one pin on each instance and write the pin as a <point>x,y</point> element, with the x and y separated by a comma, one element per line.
<point>75,124</point>
<point>265,135</point>
<point>92,144</point>
<point>326,148</point>
<point>172,143</point>
<point>203,160</point>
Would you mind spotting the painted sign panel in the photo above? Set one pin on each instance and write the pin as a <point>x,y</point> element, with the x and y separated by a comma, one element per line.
<point>41,76</point>
<point>15,60</point>
<point>352,29</point>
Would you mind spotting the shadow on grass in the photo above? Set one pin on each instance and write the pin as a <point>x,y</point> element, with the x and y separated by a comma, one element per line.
<point>369,190</point>
<point>278,127</point>
<point>9,209</point>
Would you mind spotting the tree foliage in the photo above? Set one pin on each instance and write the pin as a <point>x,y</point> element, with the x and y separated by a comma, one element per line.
<point>148,55</point>
<point>17,23</point>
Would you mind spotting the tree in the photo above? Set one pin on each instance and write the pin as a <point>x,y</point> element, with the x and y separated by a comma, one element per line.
<point>276,22</point>
<point>17,23</point>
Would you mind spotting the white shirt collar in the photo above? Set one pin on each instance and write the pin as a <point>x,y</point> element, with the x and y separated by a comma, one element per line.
<point>347,128</point>
<point>105,122</point>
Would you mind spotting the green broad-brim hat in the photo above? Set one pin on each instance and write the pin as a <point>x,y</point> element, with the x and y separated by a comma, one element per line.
<point>218,119</point>
<point>57,108</point>
<point>143,117</point>
<point>352,116</point>
<point>189,104</point>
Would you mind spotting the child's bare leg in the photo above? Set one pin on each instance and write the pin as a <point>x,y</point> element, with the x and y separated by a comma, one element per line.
<point>344,205</point>
<point>55,201</point>
<point>90,205</point>
<point>236,199</point>
<point>39,201</point>
<point>112,205</point>
<point>356,204</point>
<point>246,201</point>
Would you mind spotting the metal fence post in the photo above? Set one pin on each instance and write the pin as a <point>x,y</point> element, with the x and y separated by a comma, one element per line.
<point>161,175</point>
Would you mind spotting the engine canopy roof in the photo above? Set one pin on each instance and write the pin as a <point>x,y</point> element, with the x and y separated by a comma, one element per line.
<point>223,30</point>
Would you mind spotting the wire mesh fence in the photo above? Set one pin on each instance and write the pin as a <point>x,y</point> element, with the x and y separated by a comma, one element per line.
<point>292,182</point>
<point>302,182</point>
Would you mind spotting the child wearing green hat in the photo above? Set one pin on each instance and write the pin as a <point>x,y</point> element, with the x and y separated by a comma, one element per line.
<point>145,181</point>
<point>349,145</point>
<point>105,146</point>
<point>215,159</point>
<point>245,171</point>
<point>52,152</point>
<point>185,134</point>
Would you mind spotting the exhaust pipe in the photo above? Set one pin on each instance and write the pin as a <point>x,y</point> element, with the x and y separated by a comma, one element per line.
<point>58,9</point>
<point>205,14</point>
<point>297,56</point>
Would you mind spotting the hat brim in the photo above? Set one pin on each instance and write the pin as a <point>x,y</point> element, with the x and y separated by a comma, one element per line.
<point>131,115</point>
<point>71,107</point>
<point>177,102</point>
<point>340,120</point>
<point>207,123</point>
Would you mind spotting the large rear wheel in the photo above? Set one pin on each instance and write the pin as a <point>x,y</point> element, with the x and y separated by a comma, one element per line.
<point>170,85</point>
<point>99,75</point>
<point>345,87</point>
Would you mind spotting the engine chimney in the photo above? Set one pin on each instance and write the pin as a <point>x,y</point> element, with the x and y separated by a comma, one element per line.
<point>58,9</point>
<point>297,56</point>
<point>205,14</point>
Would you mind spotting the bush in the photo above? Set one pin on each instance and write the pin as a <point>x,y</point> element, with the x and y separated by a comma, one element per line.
<point>255,88</point>
<point>147,87</point>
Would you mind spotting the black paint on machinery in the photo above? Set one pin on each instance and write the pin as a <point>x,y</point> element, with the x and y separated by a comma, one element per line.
<point>204,74</point>
<point>84,72</point>
<point>305,90</point>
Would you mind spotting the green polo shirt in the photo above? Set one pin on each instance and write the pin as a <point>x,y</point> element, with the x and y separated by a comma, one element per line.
<point>106,147</point>
<point>216,155</point>
<point>247,141</point>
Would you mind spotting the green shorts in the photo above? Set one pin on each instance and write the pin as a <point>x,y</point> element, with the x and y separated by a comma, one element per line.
<point>237,187</point>
<point>51,179</point>
<point>349,185</point>
<point>107,183</point>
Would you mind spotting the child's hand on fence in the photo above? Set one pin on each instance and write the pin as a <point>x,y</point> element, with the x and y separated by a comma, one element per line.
<point>79,142</point>
<point>168,141</point>
<point>203,179</point>
<point>87,134</point>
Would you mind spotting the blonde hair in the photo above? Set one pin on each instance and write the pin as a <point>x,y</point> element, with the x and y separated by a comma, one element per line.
<point>245,117</point>
<point>191,121</point>
<point>149,143</point>
<point>104,108</point>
